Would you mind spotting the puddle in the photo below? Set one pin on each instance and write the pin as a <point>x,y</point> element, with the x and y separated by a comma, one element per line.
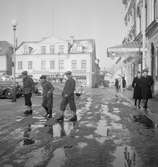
<point>126,104</point>
<point>90,125</point>
<point>101,140</point>
<point>125,156</point>
<point>36,158</point>
<point>102,128</point>
<point>116,125</point>
<point>116,110</point>
<point>82,145</point>
<point>110,115</point>
<point>89,137</point>
<point>17,133</point>
<point>59,158</point>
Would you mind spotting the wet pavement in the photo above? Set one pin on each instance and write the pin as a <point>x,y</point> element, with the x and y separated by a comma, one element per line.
<point>109,132</point>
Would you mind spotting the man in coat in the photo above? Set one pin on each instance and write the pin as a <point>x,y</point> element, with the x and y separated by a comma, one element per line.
<point>137,93</point>
<point>68,97</point>
<point>146,85</point>
<point>47,101</point>
<point>28,87</point>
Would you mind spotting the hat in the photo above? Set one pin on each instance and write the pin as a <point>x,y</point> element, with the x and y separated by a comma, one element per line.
<point>145,70</point>
<point>68,73</point>
<point>24,73</point>
<point>43,77</point>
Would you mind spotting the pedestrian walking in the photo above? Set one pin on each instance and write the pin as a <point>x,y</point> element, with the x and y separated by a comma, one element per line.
<point>28,87</point>
<point>68,97</point>
<point>47,101</point>
<point>146,85</point>
<point>137,92</point>
<point>123,83</point>
<point>117,85</point>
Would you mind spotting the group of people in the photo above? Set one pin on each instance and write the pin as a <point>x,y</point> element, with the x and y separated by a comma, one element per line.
<point>47,100</point>
<point>142,85</point>
<point>119,83</point>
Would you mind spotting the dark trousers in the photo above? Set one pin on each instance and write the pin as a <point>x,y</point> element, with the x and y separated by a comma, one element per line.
<point>68,100</point>
<point>48,103</point>
<point>27,98</point>
<point>139,101</point>
<point>145,103</point>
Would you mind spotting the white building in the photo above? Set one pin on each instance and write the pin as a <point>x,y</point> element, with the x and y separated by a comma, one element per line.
<point>52,56</point>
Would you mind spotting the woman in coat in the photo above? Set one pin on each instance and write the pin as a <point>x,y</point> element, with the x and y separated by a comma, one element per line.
<point>137,94</point>
<point>146,83</point>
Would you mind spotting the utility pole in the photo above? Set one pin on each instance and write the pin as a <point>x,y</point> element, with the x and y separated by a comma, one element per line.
<point>14,26</point>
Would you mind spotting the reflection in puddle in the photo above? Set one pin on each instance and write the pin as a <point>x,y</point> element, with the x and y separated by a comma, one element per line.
<point>27,140</point>
<point>125,156</point>
<point>144,120</point>
<point>61,129</point>
<point>59,158</point>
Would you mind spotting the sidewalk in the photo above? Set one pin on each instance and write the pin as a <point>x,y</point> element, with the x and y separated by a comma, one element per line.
<point>153,103</point>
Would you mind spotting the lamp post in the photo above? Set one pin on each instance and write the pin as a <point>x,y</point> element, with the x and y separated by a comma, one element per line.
<point>14,25</point>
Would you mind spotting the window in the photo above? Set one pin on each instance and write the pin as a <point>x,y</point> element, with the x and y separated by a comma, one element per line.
<point>73,64</point>
<point>52,64</point>
<point>156,9</point>
<point>30,49</point>
<point>43,65</point>
<point>19,65</point>
<point>83,64</point>
<point>43,50</point>
<point>61,64</point>
<point>29,65</point>
<point>61,49</point>
<point>52,49</point>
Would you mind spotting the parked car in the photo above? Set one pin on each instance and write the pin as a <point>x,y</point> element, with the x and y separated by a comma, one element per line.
<point>6,87</point>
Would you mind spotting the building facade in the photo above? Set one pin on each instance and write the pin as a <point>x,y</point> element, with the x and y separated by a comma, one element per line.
<point>6,51</point>
<point>52,57</point>
<point>140,16</point>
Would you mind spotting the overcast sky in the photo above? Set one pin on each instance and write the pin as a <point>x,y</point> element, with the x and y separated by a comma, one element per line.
<point>101,20</point>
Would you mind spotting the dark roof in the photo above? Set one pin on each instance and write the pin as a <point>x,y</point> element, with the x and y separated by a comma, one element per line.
<point>5,48</point>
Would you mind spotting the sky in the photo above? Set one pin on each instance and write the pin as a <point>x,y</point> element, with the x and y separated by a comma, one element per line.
<point>101,20</point>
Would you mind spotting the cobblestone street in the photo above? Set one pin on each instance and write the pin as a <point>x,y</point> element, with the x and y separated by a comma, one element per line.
<point>105,135</point>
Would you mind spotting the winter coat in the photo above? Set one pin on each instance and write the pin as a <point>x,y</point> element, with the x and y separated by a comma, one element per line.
<point>69,87</point>
<point>28,85</point>
<point>136,84</point>
<point>146,85</point>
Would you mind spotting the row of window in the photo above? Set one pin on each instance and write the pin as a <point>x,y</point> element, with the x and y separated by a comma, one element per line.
<point>52,65</point>
<point>28,50</point>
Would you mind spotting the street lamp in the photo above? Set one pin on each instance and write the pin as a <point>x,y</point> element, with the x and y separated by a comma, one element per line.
<point>14,25</point>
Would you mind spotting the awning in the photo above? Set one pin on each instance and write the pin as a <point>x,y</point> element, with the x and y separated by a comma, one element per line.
<point>130,48</point>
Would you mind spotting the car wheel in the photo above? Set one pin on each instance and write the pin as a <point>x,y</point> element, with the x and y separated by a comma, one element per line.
<point>8,94</point>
